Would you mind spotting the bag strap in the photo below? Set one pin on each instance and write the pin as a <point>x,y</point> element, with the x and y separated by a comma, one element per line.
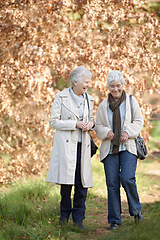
<point>131,104</point>
<point>88,111</point>
<point>88,105</point>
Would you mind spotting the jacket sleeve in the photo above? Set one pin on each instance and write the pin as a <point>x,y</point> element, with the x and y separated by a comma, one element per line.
<point>134,128</point>
<point>101,129</point>
<point>56,121</point>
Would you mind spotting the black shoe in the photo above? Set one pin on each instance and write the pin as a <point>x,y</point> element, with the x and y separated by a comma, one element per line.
<point>79,225</point>
<point>139,217</point>
<point>114,226</point>
<point>63,221</point>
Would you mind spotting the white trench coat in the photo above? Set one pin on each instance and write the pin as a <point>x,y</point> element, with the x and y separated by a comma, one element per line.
<point>64,116</point>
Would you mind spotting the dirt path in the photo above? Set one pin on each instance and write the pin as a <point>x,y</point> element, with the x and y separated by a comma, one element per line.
<point>152,170</point>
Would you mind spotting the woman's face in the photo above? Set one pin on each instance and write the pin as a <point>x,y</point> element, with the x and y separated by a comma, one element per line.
<point>116,89</point>
<point>80,88</point>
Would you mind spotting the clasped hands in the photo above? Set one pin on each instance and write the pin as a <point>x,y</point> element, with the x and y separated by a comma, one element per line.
<point>123,138</point>
<point>84,126</point>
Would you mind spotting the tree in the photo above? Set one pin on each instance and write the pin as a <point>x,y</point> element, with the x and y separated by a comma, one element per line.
<point>41,41</point>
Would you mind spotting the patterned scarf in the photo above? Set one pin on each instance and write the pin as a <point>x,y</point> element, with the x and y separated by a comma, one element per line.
<point>114,106</point>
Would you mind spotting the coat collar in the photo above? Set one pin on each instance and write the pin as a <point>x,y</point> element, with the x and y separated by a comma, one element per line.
<point>68,102</point>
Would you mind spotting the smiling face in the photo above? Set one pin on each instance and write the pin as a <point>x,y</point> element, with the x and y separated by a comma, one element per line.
<point>81,87</point>
<point>116,89</point>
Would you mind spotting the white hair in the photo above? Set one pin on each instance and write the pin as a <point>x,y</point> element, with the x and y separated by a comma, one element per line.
<point>116,76</point>
<point>78,74</point>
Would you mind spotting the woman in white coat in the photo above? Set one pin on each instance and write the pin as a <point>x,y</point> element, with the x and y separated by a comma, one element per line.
<point>70,162</point>
<point>118,150</point>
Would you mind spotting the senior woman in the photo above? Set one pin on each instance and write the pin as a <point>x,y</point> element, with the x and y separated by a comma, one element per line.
<point>70,162</point>
<point>118,150</point>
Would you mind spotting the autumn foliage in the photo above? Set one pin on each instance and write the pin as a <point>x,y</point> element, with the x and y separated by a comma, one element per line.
<point>41,41</point>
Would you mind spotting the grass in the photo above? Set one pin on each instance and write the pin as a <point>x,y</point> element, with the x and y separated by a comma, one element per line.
<point>27,210</point>
<point>155,136</point>
<point>30,210</point>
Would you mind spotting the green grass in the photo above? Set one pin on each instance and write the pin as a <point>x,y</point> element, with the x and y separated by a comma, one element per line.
<point>154,143</point>
<point>30,210</point>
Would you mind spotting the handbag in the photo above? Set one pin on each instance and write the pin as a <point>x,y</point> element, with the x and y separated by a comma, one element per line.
<point>140,143</point>
<point>93,145</point>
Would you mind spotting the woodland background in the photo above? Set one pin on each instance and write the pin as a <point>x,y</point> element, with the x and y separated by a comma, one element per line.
<point>41,41</point>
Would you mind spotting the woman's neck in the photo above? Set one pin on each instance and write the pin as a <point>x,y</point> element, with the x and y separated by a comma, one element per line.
<point>75,91</point>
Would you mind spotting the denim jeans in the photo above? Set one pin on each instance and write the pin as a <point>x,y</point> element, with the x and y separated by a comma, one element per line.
<point>120,170</point>
<point>80,193</point>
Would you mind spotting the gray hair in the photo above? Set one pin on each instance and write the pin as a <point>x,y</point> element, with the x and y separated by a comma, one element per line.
<point>78,74</point>
<point>116,76</point>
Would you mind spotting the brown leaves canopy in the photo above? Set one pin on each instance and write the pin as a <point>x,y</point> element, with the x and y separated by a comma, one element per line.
<point>41,41</point>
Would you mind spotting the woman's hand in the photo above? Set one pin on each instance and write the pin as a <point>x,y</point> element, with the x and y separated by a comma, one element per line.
<point>124,137</point>
<point>80,125</point>
<point>84,126</point>
<point>110,135</point>
<point>88,126</point>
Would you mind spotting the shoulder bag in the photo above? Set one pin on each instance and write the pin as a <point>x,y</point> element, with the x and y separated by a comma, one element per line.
<point>140,144</point>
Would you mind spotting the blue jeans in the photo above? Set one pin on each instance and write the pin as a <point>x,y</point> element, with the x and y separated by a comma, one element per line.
<point>120,169</point>
<point>80,193</point>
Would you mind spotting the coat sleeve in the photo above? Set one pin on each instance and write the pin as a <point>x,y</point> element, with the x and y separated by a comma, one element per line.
<point>56,121</point>
<point>134,128</point>
<point>101,128</point>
